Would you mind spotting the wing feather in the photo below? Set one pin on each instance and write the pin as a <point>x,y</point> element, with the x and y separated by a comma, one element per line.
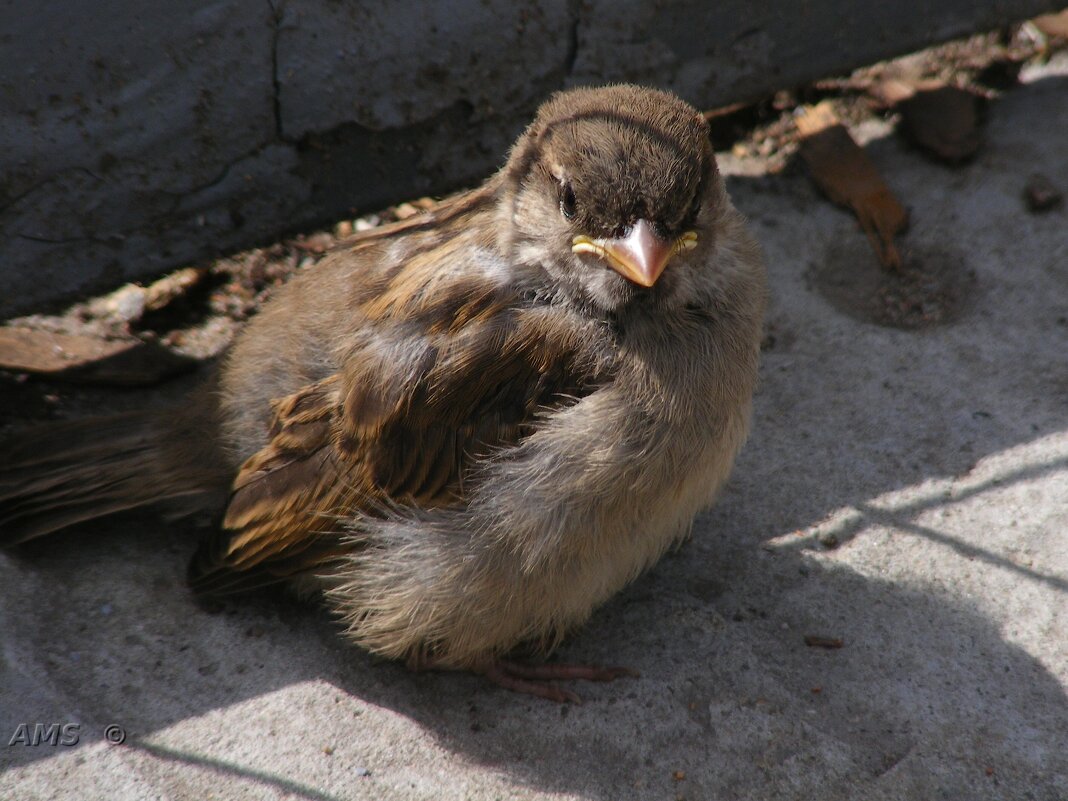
<point>382,433</point>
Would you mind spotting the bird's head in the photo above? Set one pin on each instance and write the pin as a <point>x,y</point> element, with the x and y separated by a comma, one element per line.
<point>615,193</point>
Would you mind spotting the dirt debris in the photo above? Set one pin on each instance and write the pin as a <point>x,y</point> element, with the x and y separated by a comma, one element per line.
<point>984,65</point>
<point>932,288</point>
<point>820,641</point>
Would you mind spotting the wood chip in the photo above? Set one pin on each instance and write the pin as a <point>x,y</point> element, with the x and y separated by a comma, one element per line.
<point>131,302</point>
<point>846,174</point>
<point>819,641</point>
<point>1053,24</point>
<point>944,121</point>
<point>891,91</point>
<point>166,290</point>
<point>86,359</point>
<point>724,111</point>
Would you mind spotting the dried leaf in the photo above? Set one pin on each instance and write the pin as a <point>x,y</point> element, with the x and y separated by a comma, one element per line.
<point>846,174</point>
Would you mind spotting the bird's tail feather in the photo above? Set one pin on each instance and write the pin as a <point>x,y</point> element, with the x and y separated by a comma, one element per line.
<point>65,473</point>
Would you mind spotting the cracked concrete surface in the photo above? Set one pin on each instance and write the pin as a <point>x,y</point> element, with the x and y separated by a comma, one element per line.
<point>135,137</point>
<point>904,491</point>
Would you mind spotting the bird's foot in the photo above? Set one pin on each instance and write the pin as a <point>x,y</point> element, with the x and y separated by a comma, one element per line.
<point>535,679</point>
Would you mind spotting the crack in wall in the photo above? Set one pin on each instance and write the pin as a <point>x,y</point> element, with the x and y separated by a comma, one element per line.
<point>51,179</point>
<point>276,82</point>
<point>219,177</point>
<point>114,240</point>
<point>574,19</point>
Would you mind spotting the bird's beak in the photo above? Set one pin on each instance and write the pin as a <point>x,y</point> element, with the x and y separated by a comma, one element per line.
<point>640,256</point>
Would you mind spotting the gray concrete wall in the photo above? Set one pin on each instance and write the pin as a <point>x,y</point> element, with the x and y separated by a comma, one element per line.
<point>136,135</point>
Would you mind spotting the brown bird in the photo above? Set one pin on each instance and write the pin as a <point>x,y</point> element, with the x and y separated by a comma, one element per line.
<point>471,428</point>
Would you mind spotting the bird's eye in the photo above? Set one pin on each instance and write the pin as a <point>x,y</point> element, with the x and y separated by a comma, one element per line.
<point>695,209</point>
<point>567,200</point>
<point>695,206</point>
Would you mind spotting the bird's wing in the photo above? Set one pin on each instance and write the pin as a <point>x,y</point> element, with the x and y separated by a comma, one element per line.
<point>280,501</point>
<point>436,381</point>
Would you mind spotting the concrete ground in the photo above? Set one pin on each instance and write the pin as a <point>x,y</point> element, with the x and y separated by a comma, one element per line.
<point>903,490</point>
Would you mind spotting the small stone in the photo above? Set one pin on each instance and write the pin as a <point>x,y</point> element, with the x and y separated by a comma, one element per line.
<point>1041,195</point>
<point>944,121</point>
<point>127,303</point>
<point>405,210</point>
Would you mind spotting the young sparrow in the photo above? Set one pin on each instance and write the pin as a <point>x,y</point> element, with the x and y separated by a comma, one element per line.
<point>470,428</point>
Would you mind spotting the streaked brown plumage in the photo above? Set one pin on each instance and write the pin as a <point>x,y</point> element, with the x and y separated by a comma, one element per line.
<point>470,428</point>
